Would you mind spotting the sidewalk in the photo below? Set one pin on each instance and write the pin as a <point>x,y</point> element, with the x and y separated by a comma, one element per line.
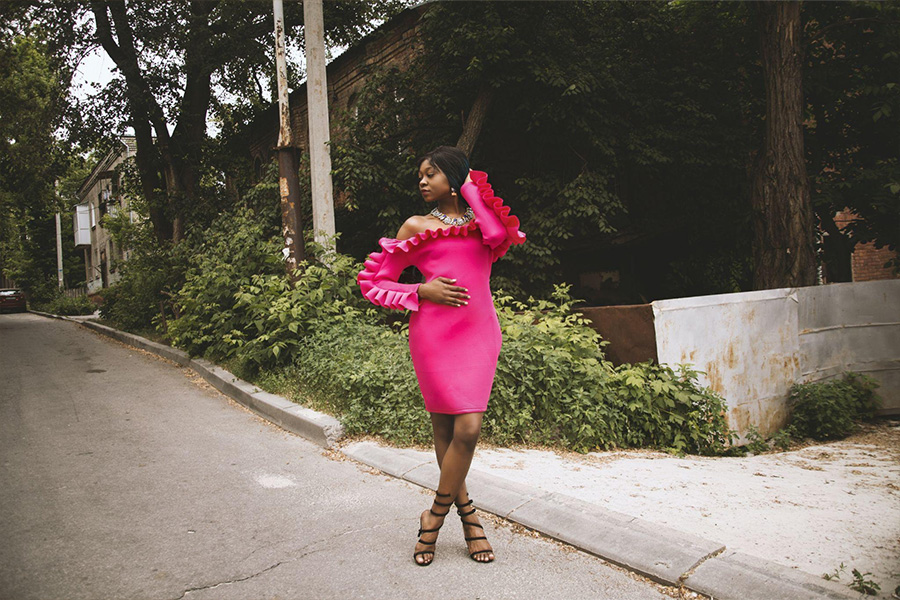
<point>763,527</point>
<point>807,510</point>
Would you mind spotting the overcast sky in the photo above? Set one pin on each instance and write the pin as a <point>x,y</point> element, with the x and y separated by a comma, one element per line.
<point>98,68</point>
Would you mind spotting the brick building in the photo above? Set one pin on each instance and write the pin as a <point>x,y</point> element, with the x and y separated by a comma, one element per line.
<point>867,263</point>
<point>394,43</point>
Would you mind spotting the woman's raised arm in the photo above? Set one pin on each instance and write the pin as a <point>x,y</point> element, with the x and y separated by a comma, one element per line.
<point>499,229</point>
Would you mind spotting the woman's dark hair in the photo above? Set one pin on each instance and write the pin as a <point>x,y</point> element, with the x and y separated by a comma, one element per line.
<point>452,162</point>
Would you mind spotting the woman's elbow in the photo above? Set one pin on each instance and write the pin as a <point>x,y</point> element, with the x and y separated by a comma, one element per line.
<point>494,239</point>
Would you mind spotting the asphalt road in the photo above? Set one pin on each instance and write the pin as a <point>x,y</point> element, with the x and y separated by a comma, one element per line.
<point>123,476</point>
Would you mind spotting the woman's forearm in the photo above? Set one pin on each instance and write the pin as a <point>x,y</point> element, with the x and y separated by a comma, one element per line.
<point>478,195</point>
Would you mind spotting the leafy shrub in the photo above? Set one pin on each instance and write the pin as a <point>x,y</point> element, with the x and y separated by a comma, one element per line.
<point>552,379</point>
<point>282,313</point>
<point>142,297</point>
<point>234,250</point>
<point>669,410</point>
<point>781,439</point>
<point>363,373</point>
<point>65,305</point>
<point>553,385</point>
<point>831,409</point>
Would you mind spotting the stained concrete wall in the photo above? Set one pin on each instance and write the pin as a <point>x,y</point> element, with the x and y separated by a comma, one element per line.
<point>852,327</point>
<point>753,346</point>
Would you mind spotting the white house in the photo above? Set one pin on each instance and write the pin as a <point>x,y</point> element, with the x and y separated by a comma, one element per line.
<point>101,194</point>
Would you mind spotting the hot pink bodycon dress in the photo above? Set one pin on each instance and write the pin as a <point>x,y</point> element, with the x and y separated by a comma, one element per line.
<point>454,349</point>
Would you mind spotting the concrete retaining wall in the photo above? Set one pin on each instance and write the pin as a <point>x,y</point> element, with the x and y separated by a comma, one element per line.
<point>754,345</point>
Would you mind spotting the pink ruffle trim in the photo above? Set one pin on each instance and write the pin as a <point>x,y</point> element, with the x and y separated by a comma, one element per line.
<point>510,222</point>
<point>398,300</point>
<point>394,299</point>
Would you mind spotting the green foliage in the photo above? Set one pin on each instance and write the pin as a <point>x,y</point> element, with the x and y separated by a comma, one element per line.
<point>66,305</point>
<point>832,409</point>
<point>861,584</point>
<point>756,442</point>
<point>276,315</point>
<point>852,116</point>
<point>142,297</point>
<point>602,120</point>
<point>226,258</point>
<point>553,385</point>
<point>31,159</point>
<point>783,437</point>
<point>669,409</point>
<point>363,373</point>
<point>552,380</point>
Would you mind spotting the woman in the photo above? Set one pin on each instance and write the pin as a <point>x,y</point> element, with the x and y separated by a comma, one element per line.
<point>454,333</point>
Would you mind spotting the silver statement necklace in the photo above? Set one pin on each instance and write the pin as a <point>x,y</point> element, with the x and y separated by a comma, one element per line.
<point>467,216</point>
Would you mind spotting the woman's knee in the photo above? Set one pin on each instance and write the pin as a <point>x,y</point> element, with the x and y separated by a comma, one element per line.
<point>466,430</point>
<point>443,427</point>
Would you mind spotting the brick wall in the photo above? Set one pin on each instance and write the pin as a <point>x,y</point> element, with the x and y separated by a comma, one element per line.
<point>867,262</point>
<point>392,44</point>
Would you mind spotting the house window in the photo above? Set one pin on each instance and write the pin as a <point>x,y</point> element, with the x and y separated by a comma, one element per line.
<point>102,201</point>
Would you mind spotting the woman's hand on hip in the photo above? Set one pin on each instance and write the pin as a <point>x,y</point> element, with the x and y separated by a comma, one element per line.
<point>442,291</point>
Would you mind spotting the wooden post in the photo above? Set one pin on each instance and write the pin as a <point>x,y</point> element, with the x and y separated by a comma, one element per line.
<point>288,176</point>
<point>319,137</point>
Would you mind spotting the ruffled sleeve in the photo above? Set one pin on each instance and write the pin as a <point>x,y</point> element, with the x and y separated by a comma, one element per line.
<point>378,280</point>
<point>499,229</point>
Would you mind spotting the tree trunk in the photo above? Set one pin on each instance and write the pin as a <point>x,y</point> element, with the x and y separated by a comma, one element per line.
<point>472,126</point>
<point>783,234</point>
<point>176,156</point>
<point>147,160</point>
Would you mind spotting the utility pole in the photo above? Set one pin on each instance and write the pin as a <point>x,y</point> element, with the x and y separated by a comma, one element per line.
<point>319,136</point>
<point>59,263</point>
<point>288,176</point>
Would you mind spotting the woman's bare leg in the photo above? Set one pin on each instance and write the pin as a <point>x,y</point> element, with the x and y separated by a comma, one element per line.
<point>443,435</point>
<point>455,438</point>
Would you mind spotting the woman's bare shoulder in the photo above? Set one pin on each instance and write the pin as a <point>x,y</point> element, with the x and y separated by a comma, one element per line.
<point>413,225</point>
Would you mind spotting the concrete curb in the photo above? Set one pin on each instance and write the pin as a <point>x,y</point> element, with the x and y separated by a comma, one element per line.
<point>319,428</point>
<point>660,553</point>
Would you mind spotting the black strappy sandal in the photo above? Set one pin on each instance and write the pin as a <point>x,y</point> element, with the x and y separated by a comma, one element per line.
<point>461,514</point>
<point>435,530</point>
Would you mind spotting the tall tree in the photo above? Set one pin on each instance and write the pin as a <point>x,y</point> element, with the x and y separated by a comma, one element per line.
<point>176,61</point>
<point>783,234</point>
<point>32,96</point>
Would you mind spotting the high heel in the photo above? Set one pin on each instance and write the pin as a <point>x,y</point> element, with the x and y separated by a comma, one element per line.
<point>422,530</point>
<point>462,515</point>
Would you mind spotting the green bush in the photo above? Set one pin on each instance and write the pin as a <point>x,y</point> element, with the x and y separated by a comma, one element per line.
<point>236,249</point>
<point>344,355</point>
<point>832,409</point>
<point>363,373</point>
<point>141,299</point>
<point>65,305</point>
<point>278,314</point>
<point>670,410</point>
<point>553,385</point>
